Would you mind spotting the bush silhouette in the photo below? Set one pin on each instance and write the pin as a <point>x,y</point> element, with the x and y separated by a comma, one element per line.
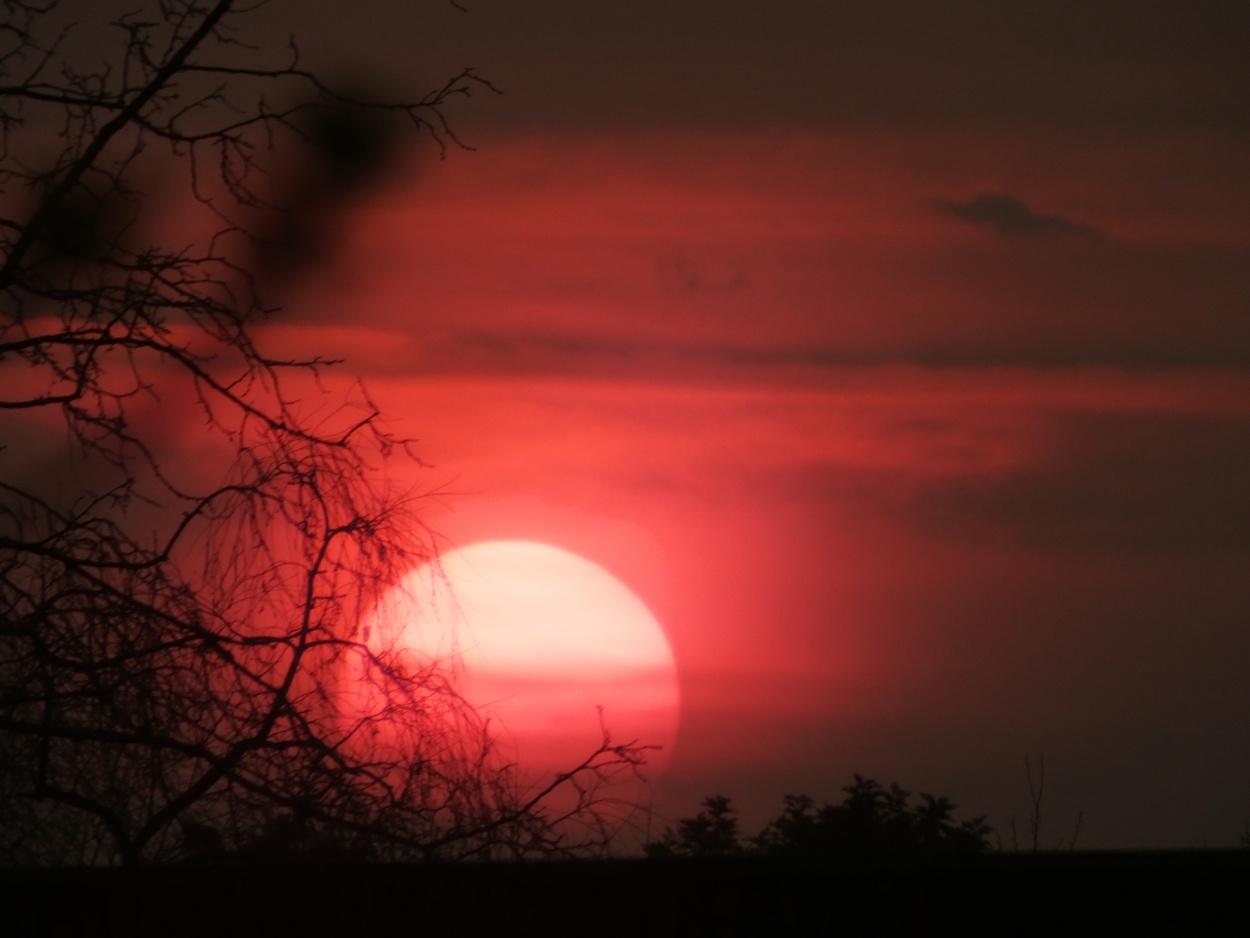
<point>871,819</point>
<point>713,832</point>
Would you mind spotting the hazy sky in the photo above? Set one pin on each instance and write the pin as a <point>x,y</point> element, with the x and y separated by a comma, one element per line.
<point>894,353</point>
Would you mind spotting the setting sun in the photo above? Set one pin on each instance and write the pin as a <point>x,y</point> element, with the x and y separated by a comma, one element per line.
<point>541,640</point>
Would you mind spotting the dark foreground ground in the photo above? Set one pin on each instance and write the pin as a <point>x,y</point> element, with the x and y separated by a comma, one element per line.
<point>1082,893</point>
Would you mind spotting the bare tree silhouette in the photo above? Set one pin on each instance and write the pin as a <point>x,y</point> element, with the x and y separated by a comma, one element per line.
<point>190,539</point>
<point>1037,792</point>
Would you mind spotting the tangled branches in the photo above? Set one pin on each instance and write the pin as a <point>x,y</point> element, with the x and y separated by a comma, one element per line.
<point>182,586</point>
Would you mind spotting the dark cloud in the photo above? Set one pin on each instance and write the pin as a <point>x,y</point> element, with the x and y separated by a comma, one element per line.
<point>1013,218</point>
<point>572,353</point>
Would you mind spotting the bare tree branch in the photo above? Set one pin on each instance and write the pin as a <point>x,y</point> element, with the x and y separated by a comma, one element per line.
<point>182,651</point>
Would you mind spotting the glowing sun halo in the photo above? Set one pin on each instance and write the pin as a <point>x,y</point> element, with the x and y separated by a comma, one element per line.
<point>544,638</point>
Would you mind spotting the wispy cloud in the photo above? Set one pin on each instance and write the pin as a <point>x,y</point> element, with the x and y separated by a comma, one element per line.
<point>1012,218</point>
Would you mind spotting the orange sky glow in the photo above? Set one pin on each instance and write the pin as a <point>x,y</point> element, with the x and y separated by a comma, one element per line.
<point>895,355</point>
<point>911,497</point>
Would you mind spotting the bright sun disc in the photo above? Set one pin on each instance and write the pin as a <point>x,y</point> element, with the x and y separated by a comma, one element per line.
<point>544,638</point>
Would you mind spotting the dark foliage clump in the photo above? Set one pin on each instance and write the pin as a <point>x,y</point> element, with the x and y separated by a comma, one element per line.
<point>287,838</point>
<point>871,819</point>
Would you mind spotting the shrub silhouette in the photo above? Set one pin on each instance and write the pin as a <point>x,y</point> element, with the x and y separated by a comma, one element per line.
<point>713,832</point>
<point>871,819</point>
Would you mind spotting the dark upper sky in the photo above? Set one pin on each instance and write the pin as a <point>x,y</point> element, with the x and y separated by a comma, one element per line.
<point>1124,65</point>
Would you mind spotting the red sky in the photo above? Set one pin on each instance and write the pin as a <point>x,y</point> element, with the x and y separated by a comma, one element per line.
<point>895,354</point>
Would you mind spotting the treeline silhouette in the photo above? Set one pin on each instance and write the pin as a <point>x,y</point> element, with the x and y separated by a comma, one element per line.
<point>877,861</point>
<point>871,819</point>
